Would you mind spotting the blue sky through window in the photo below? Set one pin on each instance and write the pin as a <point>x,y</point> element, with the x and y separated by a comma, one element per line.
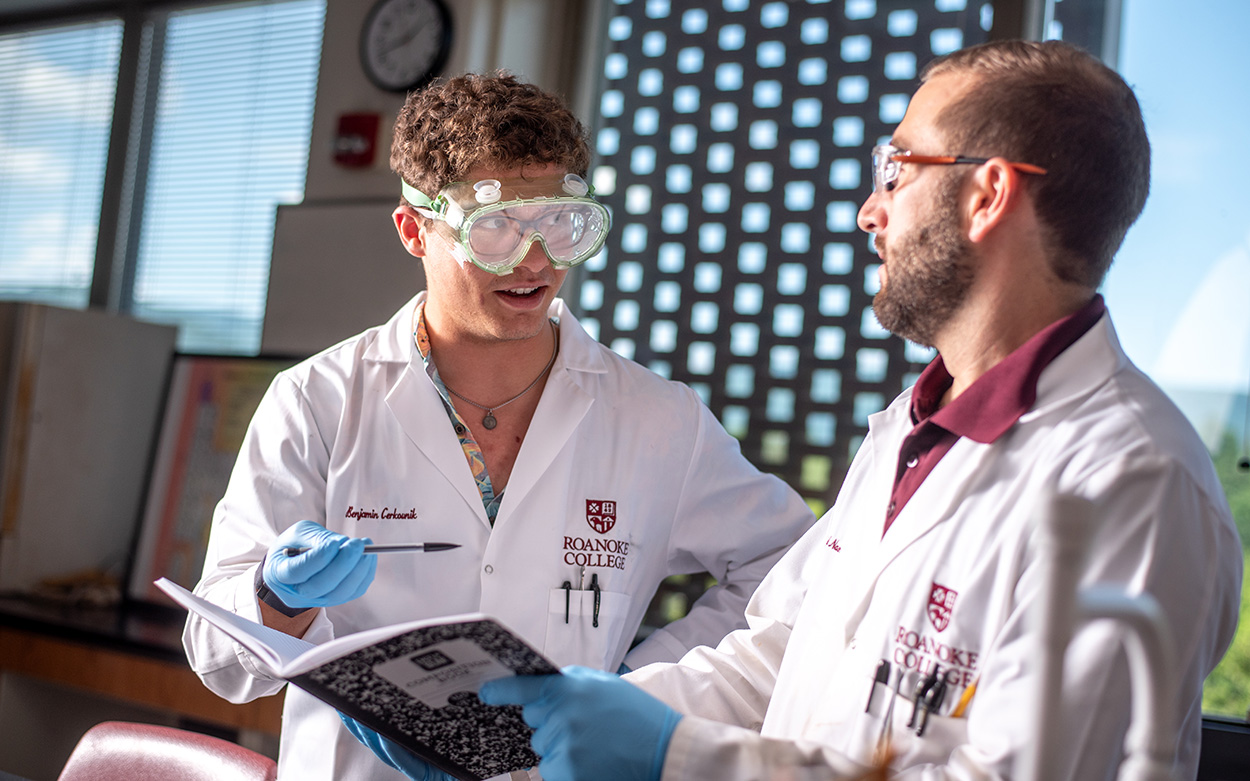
<point>1180,287</point>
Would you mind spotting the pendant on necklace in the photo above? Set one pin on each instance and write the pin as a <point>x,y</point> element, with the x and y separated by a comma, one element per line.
<point>489,421</point>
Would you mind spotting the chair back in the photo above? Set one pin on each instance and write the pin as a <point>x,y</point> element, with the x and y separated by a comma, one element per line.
<point>125,751</point>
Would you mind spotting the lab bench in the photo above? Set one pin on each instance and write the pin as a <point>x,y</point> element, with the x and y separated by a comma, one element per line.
<point>94,658</point>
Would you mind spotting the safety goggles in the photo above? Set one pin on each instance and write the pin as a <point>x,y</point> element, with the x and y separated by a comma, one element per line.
<point>492,223</point>
<point>887,162</point>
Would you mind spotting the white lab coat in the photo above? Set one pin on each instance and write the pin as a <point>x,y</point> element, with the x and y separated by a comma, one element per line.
<point>846,597</point>
<point>358,438</point>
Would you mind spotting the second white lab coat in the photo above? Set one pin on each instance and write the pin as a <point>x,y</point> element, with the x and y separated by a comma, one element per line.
<point>952,582</point>
<point>622,474</point>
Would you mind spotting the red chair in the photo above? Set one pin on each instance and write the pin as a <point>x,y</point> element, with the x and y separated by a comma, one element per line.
<point>123,751</point>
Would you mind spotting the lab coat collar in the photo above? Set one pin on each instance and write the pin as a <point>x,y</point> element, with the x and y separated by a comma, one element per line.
<point>997,399</point>
<point>393,341</point>
<point>1089,363</point>
<point>1076,372</point>
<point>578,352</point>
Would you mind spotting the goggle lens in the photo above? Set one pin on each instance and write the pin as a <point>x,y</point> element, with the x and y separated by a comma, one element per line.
<point>571,232</point>
<point>493,223</point>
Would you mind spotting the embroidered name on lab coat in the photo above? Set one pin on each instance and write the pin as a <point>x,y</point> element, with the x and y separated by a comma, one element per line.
<point>386,513</point>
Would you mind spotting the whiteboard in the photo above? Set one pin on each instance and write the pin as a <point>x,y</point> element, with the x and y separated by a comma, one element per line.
<point>337,269</point>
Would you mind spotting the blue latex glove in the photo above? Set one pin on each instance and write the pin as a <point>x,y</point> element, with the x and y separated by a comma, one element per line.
<point>589,724</point>
<point>335,568</point>
<point>393,754</point>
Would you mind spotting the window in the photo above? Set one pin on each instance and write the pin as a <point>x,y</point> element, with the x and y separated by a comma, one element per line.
<point>56,107</point>
<point>1180,285</point>
<point>1178,288</point>
<point>222,117</point>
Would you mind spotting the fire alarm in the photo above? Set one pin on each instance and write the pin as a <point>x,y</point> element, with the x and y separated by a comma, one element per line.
<point>356,141</point>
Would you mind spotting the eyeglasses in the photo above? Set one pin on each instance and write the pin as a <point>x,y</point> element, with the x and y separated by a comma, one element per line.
<point>493,224</point>
<point>887,162</point>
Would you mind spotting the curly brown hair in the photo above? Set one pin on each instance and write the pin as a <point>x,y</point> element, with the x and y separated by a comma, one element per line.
<point>452,126</point>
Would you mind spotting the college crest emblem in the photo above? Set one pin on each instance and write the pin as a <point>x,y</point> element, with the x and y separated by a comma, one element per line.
<point>941,603</point>
<point>601,515</point>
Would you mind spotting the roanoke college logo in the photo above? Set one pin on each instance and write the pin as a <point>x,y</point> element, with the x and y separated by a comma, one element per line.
<point>601,515</point>
<point>941,603</point>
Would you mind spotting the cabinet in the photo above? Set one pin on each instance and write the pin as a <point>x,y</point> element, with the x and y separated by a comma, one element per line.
<point>82,393</point>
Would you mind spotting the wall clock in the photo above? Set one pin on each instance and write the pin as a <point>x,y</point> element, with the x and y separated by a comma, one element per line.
<point>405,43</point>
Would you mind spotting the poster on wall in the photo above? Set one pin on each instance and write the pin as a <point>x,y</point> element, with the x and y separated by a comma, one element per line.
<point>210,403</point>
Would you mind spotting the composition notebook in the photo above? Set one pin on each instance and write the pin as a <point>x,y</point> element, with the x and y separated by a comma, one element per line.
<point>415,683</point>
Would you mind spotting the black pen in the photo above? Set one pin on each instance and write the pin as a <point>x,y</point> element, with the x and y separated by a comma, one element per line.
<point>393,547</point>
<point>594,586</point>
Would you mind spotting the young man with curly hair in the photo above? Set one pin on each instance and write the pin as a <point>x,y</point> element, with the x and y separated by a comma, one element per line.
<point>481,414</point>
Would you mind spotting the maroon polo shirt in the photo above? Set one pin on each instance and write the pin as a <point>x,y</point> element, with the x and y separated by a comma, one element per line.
<point>984,411</point>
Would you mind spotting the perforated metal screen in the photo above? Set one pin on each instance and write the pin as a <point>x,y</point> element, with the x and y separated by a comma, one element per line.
<point>733,144</point>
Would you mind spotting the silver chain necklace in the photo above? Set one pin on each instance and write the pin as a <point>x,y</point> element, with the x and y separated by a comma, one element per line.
<point>489,419</point>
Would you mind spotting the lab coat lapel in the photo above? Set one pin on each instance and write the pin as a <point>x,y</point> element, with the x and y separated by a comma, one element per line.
<point>937,498</point>
<point>861,533</point>
<point>417,407</point>
<point>934,502</point>
<point>560,410</point>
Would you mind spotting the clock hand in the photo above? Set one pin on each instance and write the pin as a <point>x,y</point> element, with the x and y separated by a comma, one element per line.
<point>404,40</point>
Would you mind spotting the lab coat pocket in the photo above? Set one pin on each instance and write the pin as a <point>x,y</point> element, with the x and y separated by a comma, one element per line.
<point>942,735</point>
<point>891,719</point>
<point>573,638</point>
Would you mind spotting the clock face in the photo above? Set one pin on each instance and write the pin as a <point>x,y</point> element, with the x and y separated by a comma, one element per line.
<point>405,43</point>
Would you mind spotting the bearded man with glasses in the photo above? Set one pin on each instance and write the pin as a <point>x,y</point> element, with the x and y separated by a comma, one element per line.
<point>899,636</point>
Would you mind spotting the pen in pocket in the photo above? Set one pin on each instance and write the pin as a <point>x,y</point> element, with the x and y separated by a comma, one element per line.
<point>594,587</point>
<point>883,677</point>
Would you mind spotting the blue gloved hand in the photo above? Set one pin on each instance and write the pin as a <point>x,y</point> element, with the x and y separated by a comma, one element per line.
<point>335,568</point>
<point>393,754</point>
<point>589,724</point>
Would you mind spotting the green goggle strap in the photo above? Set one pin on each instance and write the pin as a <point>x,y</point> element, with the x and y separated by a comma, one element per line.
<point>418,198</point>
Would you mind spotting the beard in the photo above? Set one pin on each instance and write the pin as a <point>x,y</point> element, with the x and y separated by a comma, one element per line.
<point>929,275</point>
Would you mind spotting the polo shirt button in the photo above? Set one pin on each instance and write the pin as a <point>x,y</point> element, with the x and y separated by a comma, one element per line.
<point>912,461</point>
<point>890,509</point>
<point>460,429</point>
<point>489,569</point>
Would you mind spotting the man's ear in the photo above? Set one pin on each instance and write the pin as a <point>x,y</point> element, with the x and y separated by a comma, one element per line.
<point>996,190</point>
<point>412,230</point>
